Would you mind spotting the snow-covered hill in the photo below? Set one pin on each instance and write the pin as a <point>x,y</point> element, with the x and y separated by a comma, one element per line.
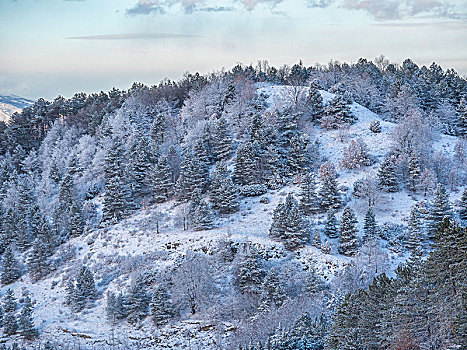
<point>10,104</point>
<point>118,253</point>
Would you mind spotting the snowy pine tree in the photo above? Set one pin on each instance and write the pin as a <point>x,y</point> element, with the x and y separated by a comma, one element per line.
<point>439,207</point>
<point>228,197</point>
<point>246,170</point>
<point>288,224</point>
<point>272,294</point>
<point>162,308</point>
<point>250,274</point>
<point>370,228</point>
<point>387,175</point>
<point>315,102</point>
<point>26,321</point>
<point>10,322</point>
<point>414,172</point>
<point>84,291</point>
<point>162,185</point>
<point>337,113</point>
<point>331,226</point>
<point>137,301</point>
<point>11,269</point>
<point>202,218</point>
<point>309,202</point>
<point>329,193</point>
<point>222,140</point>
<point>414,234</point>
<point>317,239</point>
<point>348,233</point>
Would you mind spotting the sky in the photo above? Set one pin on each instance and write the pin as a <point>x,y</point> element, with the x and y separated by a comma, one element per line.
<point>60,47</point>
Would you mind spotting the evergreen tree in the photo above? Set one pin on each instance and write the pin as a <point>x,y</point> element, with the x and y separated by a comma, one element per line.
<point>11,269</point>
<point>222,140</point>
<point>309,202</point>
<point>288,224</point>
<point>26,321</point>
<point>331,226</point>
<point>162,181</point>
<point>315,102</point>
<point>228,192</point>
<point>162,308</point>
<point>297,159</point>
<point>317,239</point>
<point>250,274</point>
<point>76,222</point>
<point>115,194</point>
<point>439,208</point>
<point>272,295</point>
<point>110,308</point>
<point>256,129</point>
<point>414,172</point>
<point>370,227</point>
<point>121,311</point>
<point>245,172</point>
<point>336,113</point>
<point>202,217</point>
<point>329,193</point>
<point>10,323</point>
<point>84,292</point>
<point>387,175</point>
<point>219,174</point>
<point>139,167</point>
<point>159,129</point>
<point>414,237</point>
<point>37,262</point>
<point>348,233</point>
<point>201,166</point>
<point>137,301</point>
<point>463,206</point>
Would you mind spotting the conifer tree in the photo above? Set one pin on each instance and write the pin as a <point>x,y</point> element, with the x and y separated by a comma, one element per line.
<point>336,113</point>
<point>222,140</point>
<point>200,166</point>
<point>202,217</point>
<point>414,236</point>
<point>387,175</point>
<point>245,172</point>
<point>256,129</point>
<point>121,311</point>
<point>439,208</point>
<point>463,206</point>
<point>414,172</point>
<point>137,301</point>
<point>228,192</point>
<point>110,308</point>
<point>159,129</point>
<point>162,181</point>
<point>10,323</point>
<point>317,239</point>
<point>309,202</point>
<point>139,167</point>
<point>162,308</point>
<point>329,193</point>
<point>26,321</point>
<point>369,227</point>
<point>315,102</point>
<point>250,274</point>
<point>115,194</point>
<point>348,233</point>
<point>326,247</point>
<point>331,226</point>
<point>37,262</point>
<point>11,269</point>
<point>84,291</point>
<point>297,158</point>
<point>218,176</point>
<point>272,294</point>
<point>288,224</point>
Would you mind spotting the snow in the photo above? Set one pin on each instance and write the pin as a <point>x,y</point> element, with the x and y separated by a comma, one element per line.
<point>133,246</point>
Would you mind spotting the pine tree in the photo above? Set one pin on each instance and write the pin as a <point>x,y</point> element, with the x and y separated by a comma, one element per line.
<point>309,202</point>
<point>336,113</point>
<point>387,175</point>
<point>414,237</point>
<point>297,158</point>
<point>110,308</point>
<point>218,176</point>
<point>201,166</point>
<point>202,217</point>
<point>414,172</point>
<point>228,192</point>
<point>288,224</point>
<point>76,222</point>
<point>121,311</point>
<point>137,301</point>
<point>463,206</point>
<point>331,227</point>
<point>162,308</point>
<point>250,274</point>
<point>222,140</point>
<point>315,102</point>
<point>159,129</point>
<point>439,208</point>
<point>11,269</point>
<point>26,321</point>
<point>370,227</point>
<point>329,194</point>
<point>256,129</point>
<point>162,181</point>
<point>84,292</point>
<point>37,262</point>
<point>139,167</point>
<point>348,233</point>
<point>245,172</point>
<point>317,239</point>
<point>272,295</point>
<point>10,323</point>
<point>326,247</point>
<point>115,194</point>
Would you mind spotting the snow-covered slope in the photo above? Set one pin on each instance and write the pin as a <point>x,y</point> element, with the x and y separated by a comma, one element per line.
<point>118,253</point>
<point>10,104</point>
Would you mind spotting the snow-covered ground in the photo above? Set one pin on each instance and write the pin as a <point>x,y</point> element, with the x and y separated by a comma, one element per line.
<point>119,252</point>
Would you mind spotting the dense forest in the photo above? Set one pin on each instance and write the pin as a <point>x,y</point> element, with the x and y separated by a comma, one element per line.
<point>196,153</point>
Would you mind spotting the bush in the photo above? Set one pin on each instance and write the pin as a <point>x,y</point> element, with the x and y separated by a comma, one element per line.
<point>375,126</point>
<point>253,190</point>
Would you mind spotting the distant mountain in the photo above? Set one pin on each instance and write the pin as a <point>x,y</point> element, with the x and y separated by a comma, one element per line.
<point>10,104</point>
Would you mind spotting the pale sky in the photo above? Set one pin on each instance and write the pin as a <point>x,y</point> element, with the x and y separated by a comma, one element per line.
<point>52,47</point>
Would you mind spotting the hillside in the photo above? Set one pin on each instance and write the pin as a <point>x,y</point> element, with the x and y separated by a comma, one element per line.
<point>10,104</point>
<point>173,235</point>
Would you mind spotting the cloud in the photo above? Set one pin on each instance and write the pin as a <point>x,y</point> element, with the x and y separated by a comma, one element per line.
<point>126,36</point>
<point>145,7</point>
<point>251,4</point>
<point>391,10</point>
<point>318,3</point>
<point>217,9</point>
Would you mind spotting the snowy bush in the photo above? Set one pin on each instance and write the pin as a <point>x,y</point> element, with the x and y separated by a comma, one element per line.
<point>375,126</point>
<point>253,190</point>
<point>356,155</point>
